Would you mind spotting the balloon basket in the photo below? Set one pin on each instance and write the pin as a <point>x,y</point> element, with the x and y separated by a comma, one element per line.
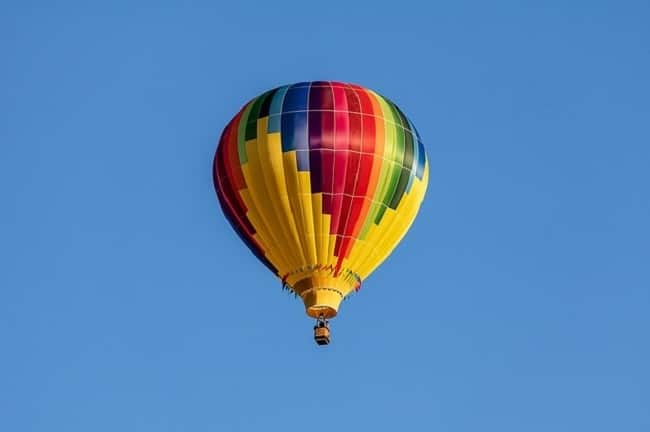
<point>322,332</point>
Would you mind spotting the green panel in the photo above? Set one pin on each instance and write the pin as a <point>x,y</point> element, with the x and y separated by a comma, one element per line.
<point>407,160</point>
<point>396,161</point>
<point>395,172</point>
<point>251,121</point>
<point>402,182</point>
<point>385,174</point>
<point>398,155</point>
<point>241,133</point>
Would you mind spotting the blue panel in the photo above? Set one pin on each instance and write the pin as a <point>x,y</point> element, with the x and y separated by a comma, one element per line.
<point>302,157</point>
<point>417,134</point>
<point>275,110</point>
<point>294,131</point>
<point>422,157</point>
<point>295,99</point>
<point>412,172</point>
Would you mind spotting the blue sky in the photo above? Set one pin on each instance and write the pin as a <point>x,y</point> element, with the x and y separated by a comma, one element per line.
<point>519,301</point>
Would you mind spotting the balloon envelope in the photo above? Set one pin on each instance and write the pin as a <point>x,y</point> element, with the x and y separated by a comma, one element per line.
<point>321,180</point>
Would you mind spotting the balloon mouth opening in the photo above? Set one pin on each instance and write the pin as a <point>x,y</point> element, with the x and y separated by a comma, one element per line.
<point>322,302</point>
<point>318,311</point>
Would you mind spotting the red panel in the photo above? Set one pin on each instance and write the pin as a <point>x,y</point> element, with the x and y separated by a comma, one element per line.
<point>341,143</point>
<point>340,171</point>
<point>337,203</point>
<point>355,212</point>
<point>353,170</point>
<point>355,134</point>
<point>327,167</point>
<point>233,170</point>
<point>369,138</point>
<point>347,202</point>
<point>365,169</point>
<point>231,153</point>
<point>356,130</point>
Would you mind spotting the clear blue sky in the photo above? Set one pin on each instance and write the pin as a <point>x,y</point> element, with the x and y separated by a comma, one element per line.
<point>520,300</point>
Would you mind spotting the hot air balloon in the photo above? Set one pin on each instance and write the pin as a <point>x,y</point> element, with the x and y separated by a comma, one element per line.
<point>321,180</point>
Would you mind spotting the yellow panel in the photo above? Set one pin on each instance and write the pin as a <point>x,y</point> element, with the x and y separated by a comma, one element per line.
<point>317,209</point>
<point>262,235</point>
<point>304,184</point>
<point>293,189</point>
<point>262,202</point>
<point>393,227</point>
<point>273,166</point>
<point>260,157</point>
